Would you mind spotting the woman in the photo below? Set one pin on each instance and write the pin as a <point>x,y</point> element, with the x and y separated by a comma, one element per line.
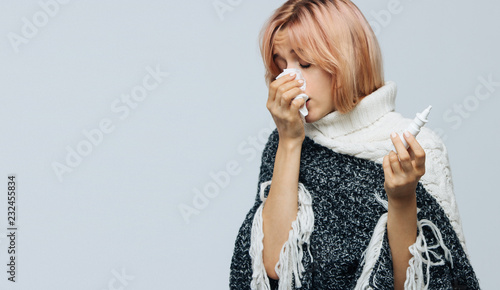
<point>336,207</point>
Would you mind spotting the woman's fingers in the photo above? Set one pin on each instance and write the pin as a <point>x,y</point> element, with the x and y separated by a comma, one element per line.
<point>412,154</point>
<point>288,96</point>
<point>284,109</point>
<point>417,151</point>
<point>386,164</point>
<point>297,103</point>
<point>402,152</point>
<point>276,84</point>
<point>281,85</point>
<point>409,160</point>
<point>394,162</point>
<point>288,91</point>
<point>403,170</point>
<point>282,92</point>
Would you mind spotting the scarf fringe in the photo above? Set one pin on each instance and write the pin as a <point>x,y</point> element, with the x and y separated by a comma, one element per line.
<point>420,251</point>
<point>372,253</point>
<point>290,261</point>
<point>259,275</point>
<point>414,273</point>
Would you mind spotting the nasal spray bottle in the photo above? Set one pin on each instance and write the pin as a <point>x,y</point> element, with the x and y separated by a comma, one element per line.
<point>417,123</point>
<point>298,76</point>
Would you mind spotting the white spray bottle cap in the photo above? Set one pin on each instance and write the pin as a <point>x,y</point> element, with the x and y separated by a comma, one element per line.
<point>422,117</point>
<point>418,122</point>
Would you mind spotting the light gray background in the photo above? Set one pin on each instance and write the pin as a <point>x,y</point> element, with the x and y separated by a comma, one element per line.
<point>118,209</point>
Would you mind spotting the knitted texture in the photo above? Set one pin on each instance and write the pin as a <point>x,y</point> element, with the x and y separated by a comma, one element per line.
<point>341,192</point>
<point>364,133</point>
<point>345,192</point>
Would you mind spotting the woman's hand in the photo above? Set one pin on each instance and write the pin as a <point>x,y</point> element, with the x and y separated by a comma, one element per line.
<point>285,112</point>
<point>402,175</point>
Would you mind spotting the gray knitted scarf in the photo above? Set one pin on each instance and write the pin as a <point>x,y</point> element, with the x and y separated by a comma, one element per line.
<point>348,201</point>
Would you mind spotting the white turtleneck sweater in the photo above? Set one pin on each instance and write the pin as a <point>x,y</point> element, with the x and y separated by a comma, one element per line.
<point>365,132</point>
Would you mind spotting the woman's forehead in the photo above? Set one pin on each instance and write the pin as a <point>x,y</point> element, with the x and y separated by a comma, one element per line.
<point>282,45</point>
<point>281,41</point>
<point>281,36</point>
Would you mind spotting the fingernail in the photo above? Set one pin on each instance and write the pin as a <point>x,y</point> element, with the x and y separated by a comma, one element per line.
<point>393,134</point>
<point>292,74</point>
<point>407,134</point>
<point>301,81</point>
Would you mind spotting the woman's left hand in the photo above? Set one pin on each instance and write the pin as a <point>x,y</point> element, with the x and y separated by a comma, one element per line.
<point>402,174</point>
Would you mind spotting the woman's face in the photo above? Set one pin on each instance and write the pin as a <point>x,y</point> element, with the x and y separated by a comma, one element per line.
<point>319,81</point>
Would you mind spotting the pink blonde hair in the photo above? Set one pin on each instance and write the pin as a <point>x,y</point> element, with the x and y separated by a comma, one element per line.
<point>334,35</point>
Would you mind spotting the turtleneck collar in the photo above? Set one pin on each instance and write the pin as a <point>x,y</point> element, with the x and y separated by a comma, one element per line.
<point>367,111</point>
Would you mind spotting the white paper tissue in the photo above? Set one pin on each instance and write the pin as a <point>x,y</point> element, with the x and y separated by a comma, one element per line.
<point>298,76</point>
